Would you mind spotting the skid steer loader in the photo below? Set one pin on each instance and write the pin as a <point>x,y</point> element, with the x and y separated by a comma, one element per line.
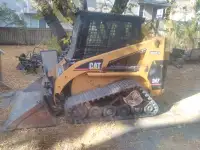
<point>109,73</point>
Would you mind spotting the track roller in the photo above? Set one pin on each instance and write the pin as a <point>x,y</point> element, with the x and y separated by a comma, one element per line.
<point>79,112</point>
<point>95,112</point>
<point>109,111</point>
<point>123,110</point>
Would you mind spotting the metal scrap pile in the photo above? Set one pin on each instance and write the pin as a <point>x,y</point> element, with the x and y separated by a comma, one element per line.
<point>30,62</point>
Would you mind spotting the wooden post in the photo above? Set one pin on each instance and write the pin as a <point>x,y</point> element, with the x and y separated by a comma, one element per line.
<point>1,53</point>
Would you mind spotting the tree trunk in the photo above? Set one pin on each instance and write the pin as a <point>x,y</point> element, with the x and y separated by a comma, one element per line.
<point>53,22</point>
<point>119,6</point>
<point>84,5</point>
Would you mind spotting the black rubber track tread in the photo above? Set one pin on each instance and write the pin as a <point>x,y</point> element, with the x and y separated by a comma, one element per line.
<point>109,90</point>
<point>98,93</point>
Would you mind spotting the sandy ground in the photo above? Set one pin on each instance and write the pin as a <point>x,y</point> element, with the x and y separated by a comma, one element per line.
<point>180,83</point>
<point>11,77</point>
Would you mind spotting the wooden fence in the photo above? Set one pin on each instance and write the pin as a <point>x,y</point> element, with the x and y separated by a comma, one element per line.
<point>23,36</point>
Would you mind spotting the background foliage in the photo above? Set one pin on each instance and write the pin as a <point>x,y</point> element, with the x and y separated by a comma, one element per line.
<point>9,16</point>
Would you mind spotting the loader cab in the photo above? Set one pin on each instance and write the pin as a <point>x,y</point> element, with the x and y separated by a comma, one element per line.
<point>95,33</point>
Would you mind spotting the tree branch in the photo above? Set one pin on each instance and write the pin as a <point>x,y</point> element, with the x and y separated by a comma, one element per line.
<point>8,15</point>
<point>9,24</point>
<point>119,6</point>
<point>84,5</point>
<point>53,22</point>
<point>62,6</point>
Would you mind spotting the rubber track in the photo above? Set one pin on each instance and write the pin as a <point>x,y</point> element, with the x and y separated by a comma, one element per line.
<point>110,89</point>
<point>98,93</point>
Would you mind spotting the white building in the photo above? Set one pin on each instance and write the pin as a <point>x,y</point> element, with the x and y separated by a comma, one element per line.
<point>145,8</point>
<point>25,10</point>
<point>182,11</point>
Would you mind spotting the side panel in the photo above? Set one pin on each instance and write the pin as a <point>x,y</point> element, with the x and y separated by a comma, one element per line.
<point>94,68</point>
<point>156,76</point>
<point>84,83</point>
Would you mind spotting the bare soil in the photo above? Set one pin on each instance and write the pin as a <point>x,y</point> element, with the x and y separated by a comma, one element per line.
<point>180,83</point>
<point>11,77</point>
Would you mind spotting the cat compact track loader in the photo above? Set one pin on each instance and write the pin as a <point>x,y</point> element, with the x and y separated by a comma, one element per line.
<point>109,73</point>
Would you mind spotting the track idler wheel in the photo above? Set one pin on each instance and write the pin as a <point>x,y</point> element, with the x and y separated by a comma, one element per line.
<point>123,110</point>
<point>151,109</point>
<point>95,112</point>
<point>109,111</point>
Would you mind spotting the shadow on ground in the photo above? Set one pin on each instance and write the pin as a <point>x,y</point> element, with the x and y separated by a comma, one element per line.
<point>173,138</point>
<point>181,98</point>
<point>44,138</point>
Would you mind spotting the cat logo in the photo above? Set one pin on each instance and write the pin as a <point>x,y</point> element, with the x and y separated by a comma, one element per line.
<point>95,65</point>
<point>155,81</point>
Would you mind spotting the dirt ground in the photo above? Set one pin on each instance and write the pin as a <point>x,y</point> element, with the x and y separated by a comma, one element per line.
<point>11,77</point>
<point>180,83</point>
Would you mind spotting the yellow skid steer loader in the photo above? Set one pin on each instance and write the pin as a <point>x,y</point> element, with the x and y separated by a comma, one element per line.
<point>109,73</point>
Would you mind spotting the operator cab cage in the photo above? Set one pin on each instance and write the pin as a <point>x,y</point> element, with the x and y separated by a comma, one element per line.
<point>95,33</point>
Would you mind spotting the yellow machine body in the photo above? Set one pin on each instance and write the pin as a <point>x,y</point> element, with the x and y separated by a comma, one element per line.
<point>85,78</point>
<point>102,76</point>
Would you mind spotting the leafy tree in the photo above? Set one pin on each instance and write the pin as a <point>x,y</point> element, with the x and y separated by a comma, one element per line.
<point>61,10</point>
<point>197,7</point>
<point>185,32</point>
<point>52,20</point>
<point>119,6</point>
<point>64,10</point>
<point>9,17</point>
<point>169,9</point>
<point>190,28</point>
